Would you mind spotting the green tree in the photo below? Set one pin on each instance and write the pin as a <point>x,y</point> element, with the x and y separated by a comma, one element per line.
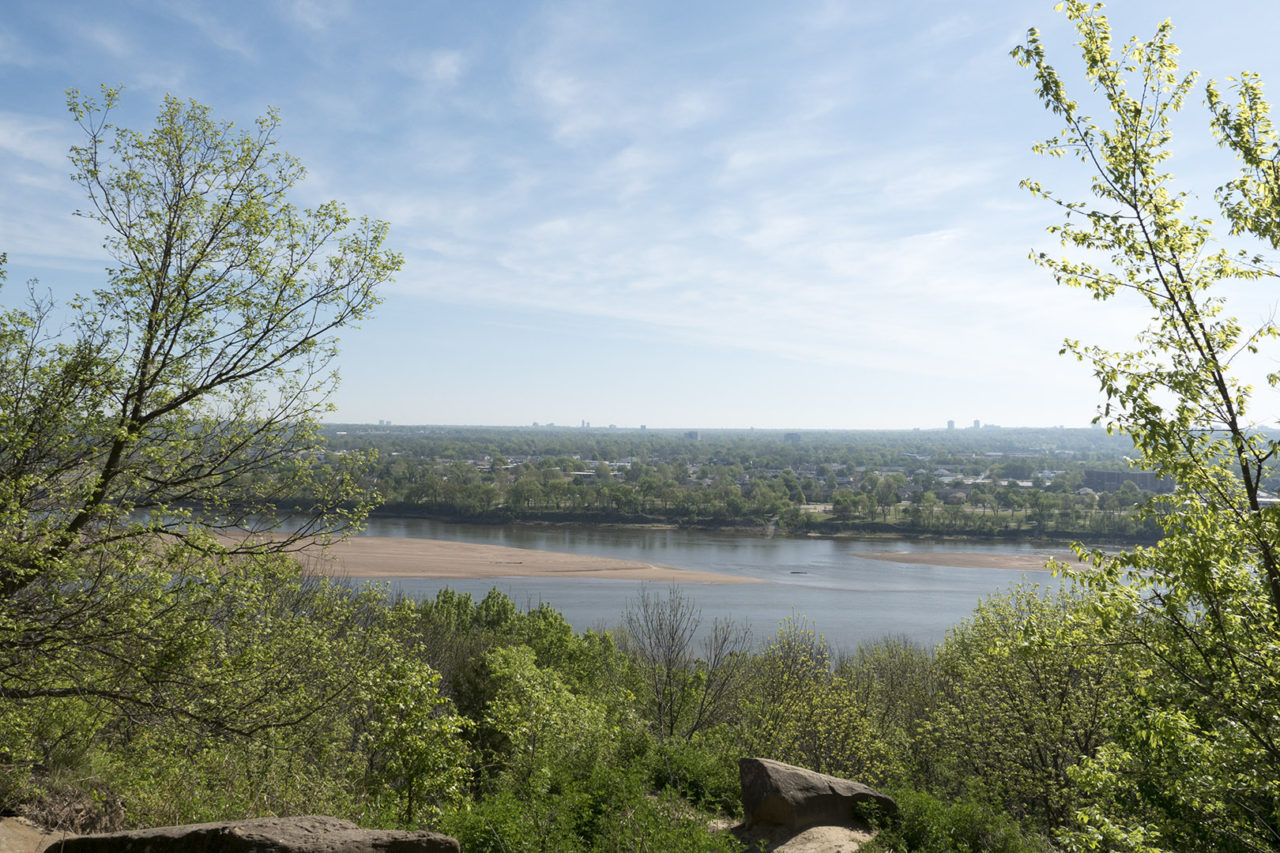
<point>178,400</point>
<point>799,711</point>
<point>1024,689</point>
<point>524,494</point>
<point>899,683</point>
<point>1196,764</point>
<point>888,492</point>
<point>844,504</point>
<point>416,760</point>
<point>252,711</point>
<point>556,740</point>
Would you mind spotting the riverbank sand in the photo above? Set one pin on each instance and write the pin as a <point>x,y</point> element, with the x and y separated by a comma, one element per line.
<point>394,557</point>
<point>975,559</point>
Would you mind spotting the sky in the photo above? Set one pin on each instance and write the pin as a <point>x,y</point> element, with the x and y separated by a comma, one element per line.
<point>695,214</point>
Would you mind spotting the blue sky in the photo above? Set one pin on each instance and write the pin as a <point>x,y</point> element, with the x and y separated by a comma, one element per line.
<point>695,214</point>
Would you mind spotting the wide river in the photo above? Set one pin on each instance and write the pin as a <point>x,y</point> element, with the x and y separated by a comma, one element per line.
<point>848,598</point>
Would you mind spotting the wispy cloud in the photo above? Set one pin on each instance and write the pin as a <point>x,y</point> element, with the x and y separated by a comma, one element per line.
<point>445,66</point>
<point>787,231</point>
<point>215,29</point>
<point>14,52</point>
<point>315,15</point>
<point>775,280</point>
<point>825,185</point>
<point>950,29</point>
<point>34,138</point>
<point>631,93</point>
<point>105,36</point>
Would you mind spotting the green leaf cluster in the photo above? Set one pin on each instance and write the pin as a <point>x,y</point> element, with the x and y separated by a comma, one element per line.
<point>1194,762</point>
<point>149,430</point>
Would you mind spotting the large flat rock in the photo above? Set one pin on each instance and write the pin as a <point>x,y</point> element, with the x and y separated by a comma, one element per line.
<point>19,835</point>
<point>311,834</point>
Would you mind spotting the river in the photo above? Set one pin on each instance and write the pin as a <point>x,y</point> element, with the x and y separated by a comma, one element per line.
<point>848,598</point>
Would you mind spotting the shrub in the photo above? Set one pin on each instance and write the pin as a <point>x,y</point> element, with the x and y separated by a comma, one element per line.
<point>926,824</point>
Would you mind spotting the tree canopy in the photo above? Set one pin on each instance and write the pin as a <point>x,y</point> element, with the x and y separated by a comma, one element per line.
<point>176,402</point>
<point>1197,760</point>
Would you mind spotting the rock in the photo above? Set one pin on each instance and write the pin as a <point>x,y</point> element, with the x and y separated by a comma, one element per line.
<point>19,835</point>
<point>311,834</point>
<point>777,793</point>
<point>768,838</point>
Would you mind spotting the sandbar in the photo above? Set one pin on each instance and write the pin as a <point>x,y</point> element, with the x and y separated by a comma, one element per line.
<point>403,557</point>
<point>975,559</point>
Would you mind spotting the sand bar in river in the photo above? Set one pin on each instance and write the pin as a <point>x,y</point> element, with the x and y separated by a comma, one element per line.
<point>973,559</point>
<point>396,557</point>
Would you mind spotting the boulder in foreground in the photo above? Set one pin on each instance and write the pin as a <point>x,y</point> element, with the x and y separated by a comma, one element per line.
<point>785,795</point>
<point>311,834</point>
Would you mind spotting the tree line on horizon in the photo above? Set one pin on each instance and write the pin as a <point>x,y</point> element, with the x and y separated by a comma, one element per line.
<point>1034,486</point>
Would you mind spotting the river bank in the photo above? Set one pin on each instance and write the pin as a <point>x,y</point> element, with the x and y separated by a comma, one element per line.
<point>972,560</point>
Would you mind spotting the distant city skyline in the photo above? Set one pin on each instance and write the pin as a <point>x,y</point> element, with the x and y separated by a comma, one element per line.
<point>587,425</point>
<point>712,215</point>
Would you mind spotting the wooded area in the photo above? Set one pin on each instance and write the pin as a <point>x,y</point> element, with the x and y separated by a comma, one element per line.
<point>987,483</point>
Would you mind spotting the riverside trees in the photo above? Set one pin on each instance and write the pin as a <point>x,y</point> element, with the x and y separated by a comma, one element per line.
<point>1196,758</point>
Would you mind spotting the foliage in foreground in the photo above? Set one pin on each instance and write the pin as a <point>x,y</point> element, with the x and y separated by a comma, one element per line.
<point>141,421</point>
<point>1195,761</point>
<point>929,825</point>
<point>545,739</point>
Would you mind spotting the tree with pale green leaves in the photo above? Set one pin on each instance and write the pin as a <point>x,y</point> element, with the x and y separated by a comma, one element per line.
<point>1195,764</point>
<point>177,402</point>
<point>416,760</point>
<point>1024,686</point>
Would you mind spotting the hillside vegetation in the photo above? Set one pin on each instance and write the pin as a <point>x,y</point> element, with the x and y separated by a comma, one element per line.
<point>154,671</point>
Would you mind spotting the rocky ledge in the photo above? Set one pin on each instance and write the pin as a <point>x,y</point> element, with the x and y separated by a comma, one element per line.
<point>311,834</point>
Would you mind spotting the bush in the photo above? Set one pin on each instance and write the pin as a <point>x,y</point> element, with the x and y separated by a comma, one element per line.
<point>898,682</point>
<point>926,824</point>
<point>803,714</point>
<point>1027,684</point>
<point>704,771</point>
